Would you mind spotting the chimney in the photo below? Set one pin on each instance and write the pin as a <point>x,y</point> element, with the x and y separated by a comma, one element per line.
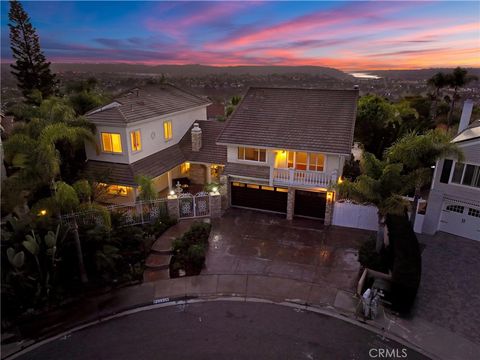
<point>196,137</point>
<point>466,114</point>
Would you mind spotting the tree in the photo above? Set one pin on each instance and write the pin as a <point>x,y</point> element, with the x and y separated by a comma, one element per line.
<point>31,68</point>
<point>381,184</point>
<point>456,80</point>
<point>147,190</point>
<point>437,81</point>
<point>418,153</point>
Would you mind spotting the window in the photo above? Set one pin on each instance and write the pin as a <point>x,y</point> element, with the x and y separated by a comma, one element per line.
<point>455,208</point>
<point>301,161</point>
<point>316,162</point>
<point>111,142</point>
<point>291,159</point>
<point>184,168</point>
<point>252,154</point>
<point>466,174</point>
<point>167,130</point>
<point>135,140</point>
<point>238,184</point>
<point>268,188</point>
<point>281,189</point>
<point>447,168</point>
<point>253,186</point>
<point>474,212</point>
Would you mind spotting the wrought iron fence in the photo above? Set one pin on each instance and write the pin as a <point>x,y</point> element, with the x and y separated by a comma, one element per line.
<point>194,205</point>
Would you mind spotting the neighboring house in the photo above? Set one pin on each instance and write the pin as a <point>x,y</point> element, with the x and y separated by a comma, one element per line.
<point>454,199</point>
<point>150,131</point>
<point>287,147</point>
<point>215,111</point>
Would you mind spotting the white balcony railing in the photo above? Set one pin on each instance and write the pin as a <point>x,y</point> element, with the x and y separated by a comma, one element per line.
<point>303,177</point>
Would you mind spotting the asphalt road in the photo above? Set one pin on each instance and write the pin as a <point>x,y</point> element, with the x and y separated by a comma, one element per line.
<point>223,330</point>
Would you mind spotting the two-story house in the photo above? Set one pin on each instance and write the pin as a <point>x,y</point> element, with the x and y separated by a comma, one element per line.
<point>159,131</point>
<point>454,200</point>
<point>286,148</point>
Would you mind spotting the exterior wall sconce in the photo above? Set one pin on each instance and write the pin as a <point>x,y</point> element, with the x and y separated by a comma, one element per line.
<point>214,191</point>
<point>330,196</point>
<point>172,194</point>
<point>42,212</point>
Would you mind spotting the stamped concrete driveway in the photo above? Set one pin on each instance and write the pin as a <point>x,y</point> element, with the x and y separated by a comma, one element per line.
<point>449,293</point>
<point>251,242</point>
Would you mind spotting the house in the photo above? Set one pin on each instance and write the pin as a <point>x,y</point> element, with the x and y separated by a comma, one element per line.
<point>454,199</point>
<point>286,148</point>
<point>282,150</point>
<point>157,131</point>
<point>215,111</point>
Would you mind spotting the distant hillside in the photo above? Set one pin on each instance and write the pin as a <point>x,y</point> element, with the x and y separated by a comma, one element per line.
<point>200,70</point>
<point>420,74</point>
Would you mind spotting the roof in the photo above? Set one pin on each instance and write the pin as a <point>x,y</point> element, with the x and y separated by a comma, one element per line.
<point>215,110</point>
<point>296,119</point>
<point>210,151</point>
<point>145,103</point>
<point>470,133</point>
<point>156,164</point>
<point>250,171</point>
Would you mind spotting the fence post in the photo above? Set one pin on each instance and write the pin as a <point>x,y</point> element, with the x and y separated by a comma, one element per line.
<point>215,205</point>
<point>173,207</point>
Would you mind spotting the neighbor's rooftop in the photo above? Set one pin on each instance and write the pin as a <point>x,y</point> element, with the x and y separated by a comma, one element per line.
<point>470,133</point>
<point>145,103</point>
<point>294,119</point>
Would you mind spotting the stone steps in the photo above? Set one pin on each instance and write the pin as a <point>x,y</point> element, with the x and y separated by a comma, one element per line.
<point>158,261</point>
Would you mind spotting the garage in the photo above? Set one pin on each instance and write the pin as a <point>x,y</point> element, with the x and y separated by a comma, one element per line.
<point>310,204</point>
<point>261,197</point>
<point>460,218</point>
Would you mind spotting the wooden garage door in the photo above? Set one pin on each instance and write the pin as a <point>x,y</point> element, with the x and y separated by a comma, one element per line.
<point>310,204</point>
<point>259,197</point>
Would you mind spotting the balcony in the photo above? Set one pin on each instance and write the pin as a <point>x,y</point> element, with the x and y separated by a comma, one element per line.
<point>292,177</point>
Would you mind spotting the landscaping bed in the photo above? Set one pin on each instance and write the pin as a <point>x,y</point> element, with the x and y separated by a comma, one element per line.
<point>189,251</point>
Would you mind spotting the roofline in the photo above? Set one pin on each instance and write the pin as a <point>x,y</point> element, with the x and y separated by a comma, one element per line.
<point>297,88</point>
<point>466,140</point>
<point>280,148</point>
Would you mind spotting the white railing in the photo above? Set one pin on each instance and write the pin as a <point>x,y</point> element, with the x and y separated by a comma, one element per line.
<point>303,177</point>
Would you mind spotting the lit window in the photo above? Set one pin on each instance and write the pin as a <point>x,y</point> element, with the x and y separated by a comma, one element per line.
<point>301,161</point>
<point>269,188</point>
<point>238,184</point>
<point>111,142</point>
<point>281,189</point>
<point>184,168</point>
<point>252,154</point>
<point>253,186</point>
<point>118,190</point>
<point>167,130</point>
<point>316,162</point>
<point>135,140</point>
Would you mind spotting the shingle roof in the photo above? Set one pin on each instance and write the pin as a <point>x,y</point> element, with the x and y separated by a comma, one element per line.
<point>210,151</point>
<point>296,119</point>
<point>251,171</point>
<point>145,103</point>
<point>162,161</point>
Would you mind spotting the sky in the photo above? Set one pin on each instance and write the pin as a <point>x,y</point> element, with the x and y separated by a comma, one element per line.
<point>344,35</point>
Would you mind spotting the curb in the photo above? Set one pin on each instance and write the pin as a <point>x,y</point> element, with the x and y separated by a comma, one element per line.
<point>184,300</point>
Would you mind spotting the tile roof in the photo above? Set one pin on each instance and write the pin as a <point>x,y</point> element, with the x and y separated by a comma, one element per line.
<point>296,119</point>
<point>210,151</point>
<point>470,133</point>
<point>145,103</point>
<point>162,161</point>
<point>251,171</point>
<point>215,110</point>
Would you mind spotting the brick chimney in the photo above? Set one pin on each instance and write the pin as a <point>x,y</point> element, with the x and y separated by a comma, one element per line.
<point>196,137</point>
<point>466,115</point>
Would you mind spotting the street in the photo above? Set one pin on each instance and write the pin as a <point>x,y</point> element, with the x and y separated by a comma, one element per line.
<point>223,330</point>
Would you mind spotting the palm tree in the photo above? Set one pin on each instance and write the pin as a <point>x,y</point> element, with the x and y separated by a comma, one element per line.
<point>147,190</point>
<point>381,184</point>
<point>457,79</point>
<point>437,81</point>
<point>418,153</point>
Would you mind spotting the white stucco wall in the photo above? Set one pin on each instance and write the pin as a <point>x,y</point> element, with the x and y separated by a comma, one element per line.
<point>152,138</point>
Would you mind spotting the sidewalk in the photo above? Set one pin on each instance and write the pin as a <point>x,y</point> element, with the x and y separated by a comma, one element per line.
<point>434,340</point>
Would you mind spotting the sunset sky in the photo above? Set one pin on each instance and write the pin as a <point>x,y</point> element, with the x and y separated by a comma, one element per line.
<point>344,35</point>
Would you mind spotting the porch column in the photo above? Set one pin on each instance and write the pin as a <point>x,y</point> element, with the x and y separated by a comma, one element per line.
<point>215,205</point>
<point>169,179</point>
<point>209,173</point>
<point>290,203</point>
<point>329,208</point>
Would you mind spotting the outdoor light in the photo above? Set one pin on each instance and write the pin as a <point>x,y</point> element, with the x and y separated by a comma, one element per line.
<point>42,212</point>
<point>172,192</point>
<point>340,180</point>
<point>215,189</point>
<point>329,196</point>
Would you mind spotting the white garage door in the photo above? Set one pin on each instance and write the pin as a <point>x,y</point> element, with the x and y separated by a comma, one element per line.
<point>461,219</point>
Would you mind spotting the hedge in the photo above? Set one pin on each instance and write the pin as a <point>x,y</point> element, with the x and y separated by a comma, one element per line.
<point>407,262</point>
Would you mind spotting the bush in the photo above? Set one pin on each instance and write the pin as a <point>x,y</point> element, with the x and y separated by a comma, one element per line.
<point>159,226</point>
<point>189,250</point>
<point>407,262</point>
<point>370,258</point>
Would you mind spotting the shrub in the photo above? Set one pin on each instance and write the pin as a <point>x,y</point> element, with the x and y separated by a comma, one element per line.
<point>370,258</point>
<point>407,262</point>
<point>160,225</point>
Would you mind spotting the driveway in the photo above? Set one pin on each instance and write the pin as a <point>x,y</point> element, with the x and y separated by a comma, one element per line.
<point>252,242</point>
<point>449,294</point>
